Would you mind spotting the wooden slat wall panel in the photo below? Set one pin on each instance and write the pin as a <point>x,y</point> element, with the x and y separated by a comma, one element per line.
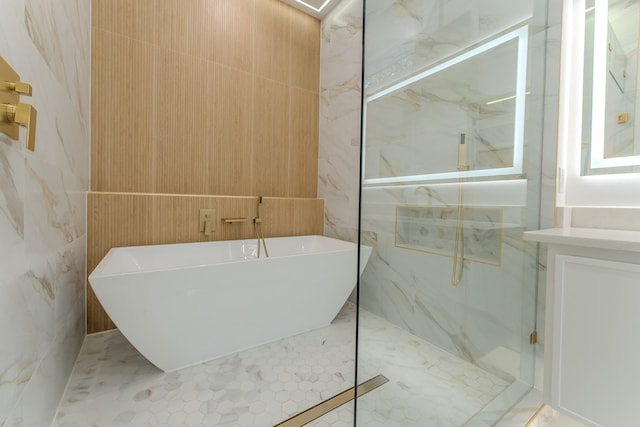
<point>303,143</point>
<point>183,117</point>
<point>232,42</point>
<point>233,132</point>
<point>122,113</point>
<point>173,101</point>
<point>183,26</point>
<point>118,219</point>
<point>133,19</point>
<point>292,217</point>
<point>305,53</point>
<point>271,138</point>
<point>272,38</point>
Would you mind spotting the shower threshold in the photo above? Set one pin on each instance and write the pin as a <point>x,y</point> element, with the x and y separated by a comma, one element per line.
<point>332,403</point>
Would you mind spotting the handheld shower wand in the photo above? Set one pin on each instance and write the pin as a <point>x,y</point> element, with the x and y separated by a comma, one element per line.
<point>257,225</point>
<point>458,245</point>
<point>463,155</point>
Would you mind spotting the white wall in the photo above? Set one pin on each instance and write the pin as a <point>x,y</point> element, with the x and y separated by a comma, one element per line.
<point>42,208</point>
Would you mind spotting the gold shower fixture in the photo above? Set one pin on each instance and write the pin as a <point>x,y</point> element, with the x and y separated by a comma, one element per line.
<point>13,113</point>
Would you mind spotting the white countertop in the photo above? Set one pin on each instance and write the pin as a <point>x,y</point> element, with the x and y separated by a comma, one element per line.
<point>588,237</point>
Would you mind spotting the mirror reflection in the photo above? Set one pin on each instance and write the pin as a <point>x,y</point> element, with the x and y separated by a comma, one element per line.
<point>610,124</point>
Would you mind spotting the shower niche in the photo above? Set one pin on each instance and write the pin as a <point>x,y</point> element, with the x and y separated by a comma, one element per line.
<point>432,229</point>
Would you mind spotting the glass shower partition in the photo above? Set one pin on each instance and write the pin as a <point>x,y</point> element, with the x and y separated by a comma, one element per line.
<point>451,152</point>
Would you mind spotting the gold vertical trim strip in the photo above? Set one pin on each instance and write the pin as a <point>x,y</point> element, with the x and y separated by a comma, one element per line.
<point>332,403</point>
<point>534,416</point>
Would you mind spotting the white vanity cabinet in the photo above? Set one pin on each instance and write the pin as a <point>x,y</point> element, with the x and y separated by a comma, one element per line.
<point>592,332</point>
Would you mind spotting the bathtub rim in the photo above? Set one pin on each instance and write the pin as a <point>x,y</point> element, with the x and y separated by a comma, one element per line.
<point>97,271</point>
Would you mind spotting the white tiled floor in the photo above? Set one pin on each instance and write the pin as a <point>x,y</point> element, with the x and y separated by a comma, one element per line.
<point>113,385</point>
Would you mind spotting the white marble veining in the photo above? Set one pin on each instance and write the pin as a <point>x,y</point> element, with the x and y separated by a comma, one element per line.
<point>401,37</point>
<point>12,171</point>
<point>27,301</point>
<point>411,289</point>
<point>429,31</point>
<point>428,386</point>
<point>113,385</point>
<point>339,140</point>
<point>417,129</point>
<point>433,229</point>
<point>42,208</point>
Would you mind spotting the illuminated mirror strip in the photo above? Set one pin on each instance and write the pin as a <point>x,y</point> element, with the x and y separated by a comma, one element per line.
<point>312,7</point>
<point>600,48</point>
<point>518,146</point>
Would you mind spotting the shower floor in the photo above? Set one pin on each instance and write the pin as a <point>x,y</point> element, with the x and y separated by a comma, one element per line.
<point>113,385</point>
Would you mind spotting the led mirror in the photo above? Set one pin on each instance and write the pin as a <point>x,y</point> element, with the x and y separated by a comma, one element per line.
<point>461,118</point>
<point>610,117</point>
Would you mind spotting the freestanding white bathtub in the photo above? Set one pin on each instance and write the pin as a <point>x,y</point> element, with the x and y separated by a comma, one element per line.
<point>184,304</point>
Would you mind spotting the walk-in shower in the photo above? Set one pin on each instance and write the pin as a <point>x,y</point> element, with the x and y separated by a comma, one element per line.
<point>452,123</point>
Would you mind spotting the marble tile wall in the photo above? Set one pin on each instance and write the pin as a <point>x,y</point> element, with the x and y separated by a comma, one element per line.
<point>421,299</point>
<point>414,289</point>
<point>481,318</point>
<point>43,208</point>
<point>339,142</point>
<point>417,129</point>
<point>430,32</point>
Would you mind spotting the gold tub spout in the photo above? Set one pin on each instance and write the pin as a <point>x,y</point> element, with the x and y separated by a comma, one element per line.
<point>232,220</point>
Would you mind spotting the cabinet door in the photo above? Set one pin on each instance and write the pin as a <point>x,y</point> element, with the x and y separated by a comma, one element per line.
<point>596,341</point>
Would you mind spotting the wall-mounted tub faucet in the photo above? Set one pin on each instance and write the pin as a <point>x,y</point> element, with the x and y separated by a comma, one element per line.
<point>257,225</point>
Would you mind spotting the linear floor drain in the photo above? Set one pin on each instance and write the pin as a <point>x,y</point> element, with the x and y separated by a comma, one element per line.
<point>332,403</point>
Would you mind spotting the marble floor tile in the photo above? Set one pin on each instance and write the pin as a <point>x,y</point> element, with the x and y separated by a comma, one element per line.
<point>113,385</point>
<point>427,386</point>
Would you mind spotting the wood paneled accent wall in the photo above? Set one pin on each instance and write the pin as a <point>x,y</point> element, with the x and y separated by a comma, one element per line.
<point>204,97</point>
<point>200,104</point>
